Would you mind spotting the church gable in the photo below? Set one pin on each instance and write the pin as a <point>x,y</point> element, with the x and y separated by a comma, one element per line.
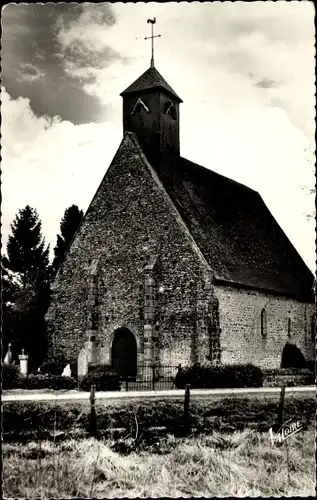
<point>130,223</point>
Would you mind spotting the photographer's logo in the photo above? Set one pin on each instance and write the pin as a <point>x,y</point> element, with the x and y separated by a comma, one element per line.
<point>286,430</point>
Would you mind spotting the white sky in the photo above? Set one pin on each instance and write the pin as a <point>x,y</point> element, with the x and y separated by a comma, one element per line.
<point>245,72</point>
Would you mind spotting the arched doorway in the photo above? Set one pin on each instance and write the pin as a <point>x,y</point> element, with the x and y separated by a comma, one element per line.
<point>124,353</point>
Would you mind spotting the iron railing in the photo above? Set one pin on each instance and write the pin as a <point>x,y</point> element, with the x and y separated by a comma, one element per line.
<point>150,378</point>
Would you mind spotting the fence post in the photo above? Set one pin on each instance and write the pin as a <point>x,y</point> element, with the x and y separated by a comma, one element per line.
<point>280,410</point>
<point>92,422</point>
<point>153,377</point>
<point>186,407</point>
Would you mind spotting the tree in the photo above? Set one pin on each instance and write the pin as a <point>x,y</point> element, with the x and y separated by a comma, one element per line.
<point>26,280</point>
<point>9,289</point>
<point>27,255</point>
<point>69,225</point>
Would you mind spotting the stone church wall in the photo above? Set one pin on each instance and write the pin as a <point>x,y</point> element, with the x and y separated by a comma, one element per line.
<point>240,322</point>
<point>131,226</point>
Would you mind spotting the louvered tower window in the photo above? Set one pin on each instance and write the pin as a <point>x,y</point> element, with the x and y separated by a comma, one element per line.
<point>170,110</point>
<point>140,106</point>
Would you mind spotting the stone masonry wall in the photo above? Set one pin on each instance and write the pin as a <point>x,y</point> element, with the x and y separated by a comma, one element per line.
<point>240,322</point>
<point>129,224</point>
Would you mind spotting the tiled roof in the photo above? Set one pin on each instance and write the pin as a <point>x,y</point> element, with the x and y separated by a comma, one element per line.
<point>236,232</point>
<point>150,80</point>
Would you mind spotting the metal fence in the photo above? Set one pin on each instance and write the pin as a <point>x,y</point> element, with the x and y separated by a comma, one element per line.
<point>150,378</point>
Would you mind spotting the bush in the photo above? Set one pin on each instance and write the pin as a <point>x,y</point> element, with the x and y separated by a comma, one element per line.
<point>311,365</point>
<point>52,367</point>
<point>292,357</point>
<point>73,368</point>
<point>56,367</point>
<point>101,368</point>
<point>10,376</point>
<point>41,381</point>
<point>104,379</point>
<point>209,377</point>
<point>286,371</point>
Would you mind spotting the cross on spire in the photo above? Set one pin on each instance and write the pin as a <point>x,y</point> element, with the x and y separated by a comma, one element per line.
<point>152,21</point>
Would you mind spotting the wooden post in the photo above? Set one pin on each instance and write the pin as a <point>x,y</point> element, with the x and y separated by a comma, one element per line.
<point>153,377</point>
<point>280,411</point>
<point>186,407</point>
<point>92,422</point>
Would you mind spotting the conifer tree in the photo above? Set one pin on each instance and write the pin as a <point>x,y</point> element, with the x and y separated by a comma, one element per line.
<point>25,269</point>
<point>69,225</point>
<point>9,288</point>
<point>27,256</point>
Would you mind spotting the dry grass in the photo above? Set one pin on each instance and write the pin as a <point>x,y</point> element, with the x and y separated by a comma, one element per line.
<point>238,464</point>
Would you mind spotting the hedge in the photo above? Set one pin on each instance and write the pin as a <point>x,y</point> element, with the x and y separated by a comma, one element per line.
<point>10,376</point>
<point>12,379</point>
<point>286,371</point>
<point>104,378</point>
<point>56,367</point>
<point>227,376</point>
<point>52,367</point>
<point>40,381</point>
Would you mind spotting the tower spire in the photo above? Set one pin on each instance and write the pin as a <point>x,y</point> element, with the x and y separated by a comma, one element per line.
<point>152,21</point>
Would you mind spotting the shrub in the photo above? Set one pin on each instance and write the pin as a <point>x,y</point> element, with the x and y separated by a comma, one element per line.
<point>292,357</point>
<point>101,368</point>
<point>10,376</point>
<point>41,381</point>
<point>286,371</point>
<point>234,376</point>
<point>105,379</point>
<point>73,368</point>
<point>54,367</point>
<point>311,365</point>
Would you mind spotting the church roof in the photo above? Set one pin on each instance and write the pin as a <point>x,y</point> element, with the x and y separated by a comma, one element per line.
<point>150,80</point>
<point>236,232</point>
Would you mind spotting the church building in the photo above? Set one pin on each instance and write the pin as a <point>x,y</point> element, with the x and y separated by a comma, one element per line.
<point>174,263</point>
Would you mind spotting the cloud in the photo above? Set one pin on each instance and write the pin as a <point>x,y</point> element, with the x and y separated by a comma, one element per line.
<point>266,83</point>
<point>30,40</point>
<point>50,163</point>
<point>29,73</point>
<point>245,72</point>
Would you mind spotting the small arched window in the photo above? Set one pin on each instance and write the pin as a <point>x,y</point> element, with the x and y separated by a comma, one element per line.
<point>263,324</point>
<point>170,109</point>
<point>289,327</point>
<point>313,327</point>
<point>139,106</point>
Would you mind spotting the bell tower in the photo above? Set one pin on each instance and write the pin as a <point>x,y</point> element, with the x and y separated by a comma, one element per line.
<point>151,111</point>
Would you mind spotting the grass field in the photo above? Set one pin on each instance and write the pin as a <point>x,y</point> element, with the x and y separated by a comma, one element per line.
<point>47,452</point>
<point>239,464</point>
<point>33,421</point>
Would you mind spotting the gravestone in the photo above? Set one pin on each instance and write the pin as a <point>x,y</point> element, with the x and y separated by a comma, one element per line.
<point>8,357</point>
<point>23,363</point>
<point>67,371</point>
<point>82,363</point>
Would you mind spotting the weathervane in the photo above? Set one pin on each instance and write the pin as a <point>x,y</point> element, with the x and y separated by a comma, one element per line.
<point>152,21</point>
